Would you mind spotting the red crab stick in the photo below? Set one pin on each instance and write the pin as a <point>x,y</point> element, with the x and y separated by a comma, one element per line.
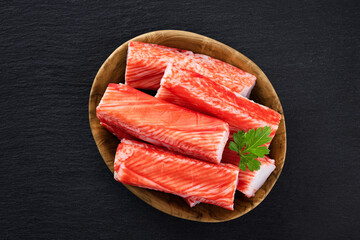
<point>147,62</point>
<point>192,90</point>
<point>164,124</point>
<point>152,167</point>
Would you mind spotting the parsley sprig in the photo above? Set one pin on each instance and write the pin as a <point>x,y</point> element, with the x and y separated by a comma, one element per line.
<point>249,147</point>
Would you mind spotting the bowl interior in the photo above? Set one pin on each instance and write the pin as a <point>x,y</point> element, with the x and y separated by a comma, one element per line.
<point>113,71</point>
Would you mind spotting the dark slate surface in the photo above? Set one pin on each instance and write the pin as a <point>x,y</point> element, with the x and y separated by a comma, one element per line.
<point>54,184</point>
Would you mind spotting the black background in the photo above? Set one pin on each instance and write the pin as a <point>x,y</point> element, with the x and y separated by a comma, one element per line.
<point>54,183</point>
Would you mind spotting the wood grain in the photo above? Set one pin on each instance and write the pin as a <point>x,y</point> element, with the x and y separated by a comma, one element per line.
<point>113,70</point>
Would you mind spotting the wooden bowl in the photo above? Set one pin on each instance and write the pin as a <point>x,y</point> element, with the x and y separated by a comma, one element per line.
<point>113,70</point>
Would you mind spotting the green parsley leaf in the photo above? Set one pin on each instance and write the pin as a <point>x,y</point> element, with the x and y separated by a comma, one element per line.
<point>242,166</point>
<point>233,146</point>
<point>249,147</point>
